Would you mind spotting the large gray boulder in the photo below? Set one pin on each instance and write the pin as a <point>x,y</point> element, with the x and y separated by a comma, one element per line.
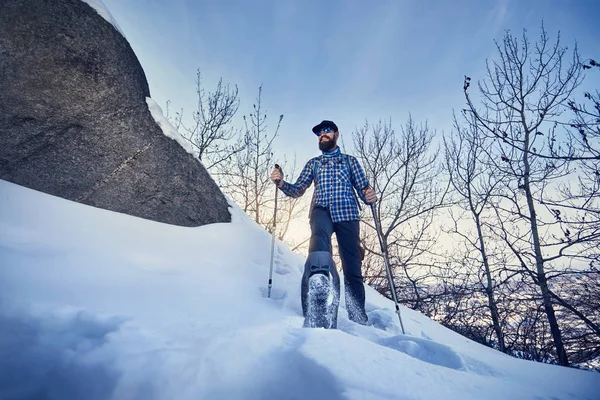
<point>74,121</point>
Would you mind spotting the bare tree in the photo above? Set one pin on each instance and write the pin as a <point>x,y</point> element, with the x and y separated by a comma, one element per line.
<point>405,173</point>
<point>582,195</point>
<point>247,174</point>
<point>524,89</point>
<point>584,127</point>
<point>475,183</point>
<point>210,130</point>
<point>290,208</point>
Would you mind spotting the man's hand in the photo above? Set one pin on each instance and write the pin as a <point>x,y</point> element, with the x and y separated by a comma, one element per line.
<point>370,195</point>
<point>277,177</point>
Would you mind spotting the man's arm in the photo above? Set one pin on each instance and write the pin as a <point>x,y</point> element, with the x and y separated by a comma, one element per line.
<point>302,183</point>
<point>359,180</point>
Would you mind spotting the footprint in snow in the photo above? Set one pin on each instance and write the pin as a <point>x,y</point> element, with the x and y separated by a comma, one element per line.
<point>425,350</point>
<point>282,270</point>
<point>382,319</point>
<point>61,352</point>
<point>280,370</point>
<point>276,293</point>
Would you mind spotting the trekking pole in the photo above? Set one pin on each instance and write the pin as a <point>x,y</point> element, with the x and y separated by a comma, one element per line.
<point>387,263</point>
<point>273,236</point>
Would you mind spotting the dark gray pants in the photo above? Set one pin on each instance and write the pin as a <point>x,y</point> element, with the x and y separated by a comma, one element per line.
<point>348,237</point>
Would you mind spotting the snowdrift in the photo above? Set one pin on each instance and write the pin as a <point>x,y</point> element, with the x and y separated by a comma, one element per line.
<point>100,305</point>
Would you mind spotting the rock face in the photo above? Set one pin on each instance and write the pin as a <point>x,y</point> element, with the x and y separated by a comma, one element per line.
<point>74,120</point>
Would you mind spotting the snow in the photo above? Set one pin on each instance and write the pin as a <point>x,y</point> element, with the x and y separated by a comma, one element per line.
<point>101,9</point>
<point>101,305</point>
<point>168,129</point>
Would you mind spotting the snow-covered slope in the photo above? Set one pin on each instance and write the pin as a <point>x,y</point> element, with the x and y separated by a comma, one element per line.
<point>100,305</point>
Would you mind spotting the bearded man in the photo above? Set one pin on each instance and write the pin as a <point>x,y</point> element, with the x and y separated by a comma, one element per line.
<point>334,208</point>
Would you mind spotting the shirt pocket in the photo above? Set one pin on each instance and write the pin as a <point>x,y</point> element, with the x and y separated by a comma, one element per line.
<point>343,174</point>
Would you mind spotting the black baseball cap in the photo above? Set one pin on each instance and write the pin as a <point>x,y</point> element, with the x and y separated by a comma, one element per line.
<point>325,124</point>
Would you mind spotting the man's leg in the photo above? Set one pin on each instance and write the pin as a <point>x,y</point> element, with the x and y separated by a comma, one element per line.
<point>319,258</point>
<point>321,229</point>
<point>348,237</point>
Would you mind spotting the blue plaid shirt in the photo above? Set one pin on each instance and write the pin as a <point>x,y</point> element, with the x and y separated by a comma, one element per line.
<point>333,184</point>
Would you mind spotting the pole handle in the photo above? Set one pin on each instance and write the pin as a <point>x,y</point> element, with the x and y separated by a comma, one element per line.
<point>280,170</point>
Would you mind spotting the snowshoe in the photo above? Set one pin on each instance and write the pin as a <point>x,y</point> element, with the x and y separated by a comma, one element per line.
<point>320,291</point>
<point>319,288</point>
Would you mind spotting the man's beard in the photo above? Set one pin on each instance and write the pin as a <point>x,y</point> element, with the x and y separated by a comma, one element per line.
<point>327,145</point>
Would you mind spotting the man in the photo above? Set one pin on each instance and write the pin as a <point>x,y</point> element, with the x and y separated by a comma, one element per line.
<point>334,208</point>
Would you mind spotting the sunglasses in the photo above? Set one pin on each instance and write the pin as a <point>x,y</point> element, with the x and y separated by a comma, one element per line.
<point>324,130</point>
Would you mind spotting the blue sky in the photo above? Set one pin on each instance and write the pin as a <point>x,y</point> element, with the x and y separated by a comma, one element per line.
<point>340,60</point>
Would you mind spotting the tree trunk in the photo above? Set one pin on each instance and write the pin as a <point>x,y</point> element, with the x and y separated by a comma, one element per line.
<point>539,262</point>
<point>489,288</point>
